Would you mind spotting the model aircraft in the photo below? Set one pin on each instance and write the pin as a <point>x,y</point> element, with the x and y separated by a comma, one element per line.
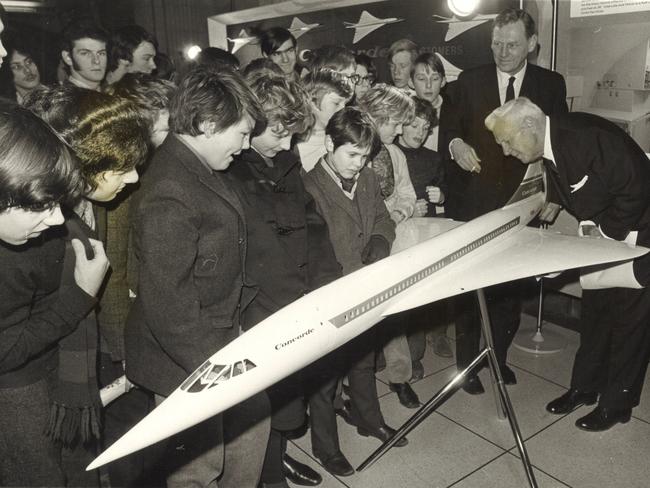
<point>367,24</point>
<point>242,40</point>
<point>458,25</point>
<point>451,71</point>
<point>298,27</point>
<point>494,248</point>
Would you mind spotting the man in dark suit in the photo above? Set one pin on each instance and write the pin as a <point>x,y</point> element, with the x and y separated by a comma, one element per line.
<point>480,178</point>
<point>190,243</point>
<point>602,177</point>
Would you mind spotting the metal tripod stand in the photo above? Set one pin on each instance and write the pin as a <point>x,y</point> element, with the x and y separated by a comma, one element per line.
<point>503,400</point>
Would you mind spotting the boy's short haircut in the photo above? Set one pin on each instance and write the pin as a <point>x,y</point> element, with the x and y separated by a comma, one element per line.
<point>285,103</point>
<point>124,41</point>
<point>81,30</point>
<point>37,170</point>
<point>271,39</point>
<point>385,102</point>
<point>351,126</point>
<point>106,133</point>
<point>432,60</point>
<point>149,93</point>
<point>218,57</point>
<point>336,58</point>
<point>402,45</point>
<point>425,111</point>
<point>210,94</point>
<point>320,83</point>
<point>261,67</point>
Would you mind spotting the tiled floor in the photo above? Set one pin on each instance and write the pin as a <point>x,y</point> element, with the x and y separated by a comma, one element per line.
<point>464,445</point>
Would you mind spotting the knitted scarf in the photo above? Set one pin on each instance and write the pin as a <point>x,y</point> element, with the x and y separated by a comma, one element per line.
<point>75,409</point>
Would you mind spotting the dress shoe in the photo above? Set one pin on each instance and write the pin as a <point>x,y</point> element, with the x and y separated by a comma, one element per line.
<point>473,385</point>
<point>382,433</point>
<point>406,395</point>
<point>337,464</point>
<point>345,412</point>
<point>603,418</point>
<point>441,347</point>
<point>508,375</point>
<point>418,371</point>
<point>571,400</point>
<point>299,473</point>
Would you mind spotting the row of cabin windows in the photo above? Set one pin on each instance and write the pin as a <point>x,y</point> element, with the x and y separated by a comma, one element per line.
<point>422,274</point>
<point>209,375</point>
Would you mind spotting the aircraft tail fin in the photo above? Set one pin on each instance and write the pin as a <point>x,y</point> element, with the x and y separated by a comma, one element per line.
<point>534,182</point>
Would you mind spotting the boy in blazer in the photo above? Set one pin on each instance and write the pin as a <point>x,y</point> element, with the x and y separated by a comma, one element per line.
<point>190,242</point>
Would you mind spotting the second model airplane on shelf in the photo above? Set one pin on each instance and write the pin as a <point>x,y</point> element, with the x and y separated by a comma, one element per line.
<point>447,258</point>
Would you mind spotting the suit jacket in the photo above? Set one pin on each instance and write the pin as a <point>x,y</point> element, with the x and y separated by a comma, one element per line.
<point>190,243</point>
<point>351,222</point>
<point>289,250</point>
<point>473,97</point>
<point>602,175</point>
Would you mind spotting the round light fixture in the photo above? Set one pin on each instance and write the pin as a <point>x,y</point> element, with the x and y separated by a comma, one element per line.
<point>463,8</point>
<point>193,51</point>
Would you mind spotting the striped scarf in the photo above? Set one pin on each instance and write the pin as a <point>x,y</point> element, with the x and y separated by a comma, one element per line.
<point>75,409</point>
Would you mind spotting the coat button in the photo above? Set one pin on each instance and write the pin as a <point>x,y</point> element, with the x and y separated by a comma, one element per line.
<point>241,241</point>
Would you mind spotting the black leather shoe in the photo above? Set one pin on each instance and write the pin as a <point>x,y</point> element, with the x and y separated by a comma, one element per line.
<point>337,464</point>
<point>299,473</point>
<point>603,418</point>
<point>571,400</point>
<point>473,385</point>
<point>508,375</point>
<point>382,433</point>
<point>406,395</point>
<point>345,413</point>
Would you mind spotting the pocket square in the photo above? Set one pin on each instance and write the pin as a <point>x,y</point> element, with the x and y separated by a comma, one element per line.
<point>579,184</point>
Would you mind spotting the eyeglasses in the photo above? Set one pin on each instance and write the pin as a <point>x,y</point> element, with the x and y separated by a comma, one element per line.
<point>366,80</point>
<point>355,78</point>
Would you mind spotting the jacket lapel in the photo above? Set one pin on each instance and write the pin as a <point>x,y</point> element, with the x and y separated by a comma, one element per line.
<point>216,181</point>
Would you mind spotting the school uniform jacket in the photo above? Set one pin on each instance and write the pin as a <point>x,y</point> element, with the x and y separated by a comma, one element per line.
<point>351,222</point>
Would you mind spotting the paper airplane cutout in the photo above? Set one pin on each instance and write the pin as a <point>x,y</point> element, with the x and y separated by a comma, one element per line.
<point>458,25</point>
<point>241,41</point>
<point>298,27</point>
<point>494,248</point>
<point>367,24</point>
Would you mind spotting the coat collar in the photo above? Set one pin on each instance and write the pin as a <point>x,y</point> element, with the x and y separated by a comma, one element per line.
<point>216,181</point>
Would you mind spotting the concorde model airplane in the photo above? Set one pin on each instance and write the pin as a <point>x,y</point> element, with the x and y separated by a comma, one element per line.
<point>494,248</point>
<point>368,23</point>
<point>298,27</point>
<point>459,25</point>
<point>242,40</point>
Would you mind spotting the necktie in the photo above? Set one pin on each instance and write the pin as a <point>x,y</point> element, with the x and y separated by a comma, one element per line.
<point>510,91</point>
<point>347,183</point>
<point>383,168</point>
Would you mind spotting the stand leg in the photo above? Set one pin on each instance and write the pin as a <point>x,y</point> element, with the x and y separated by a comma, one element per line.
<point>534,341</point>
<point>424,411</point>
<point>505,398</point>
<point>450,388</point>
